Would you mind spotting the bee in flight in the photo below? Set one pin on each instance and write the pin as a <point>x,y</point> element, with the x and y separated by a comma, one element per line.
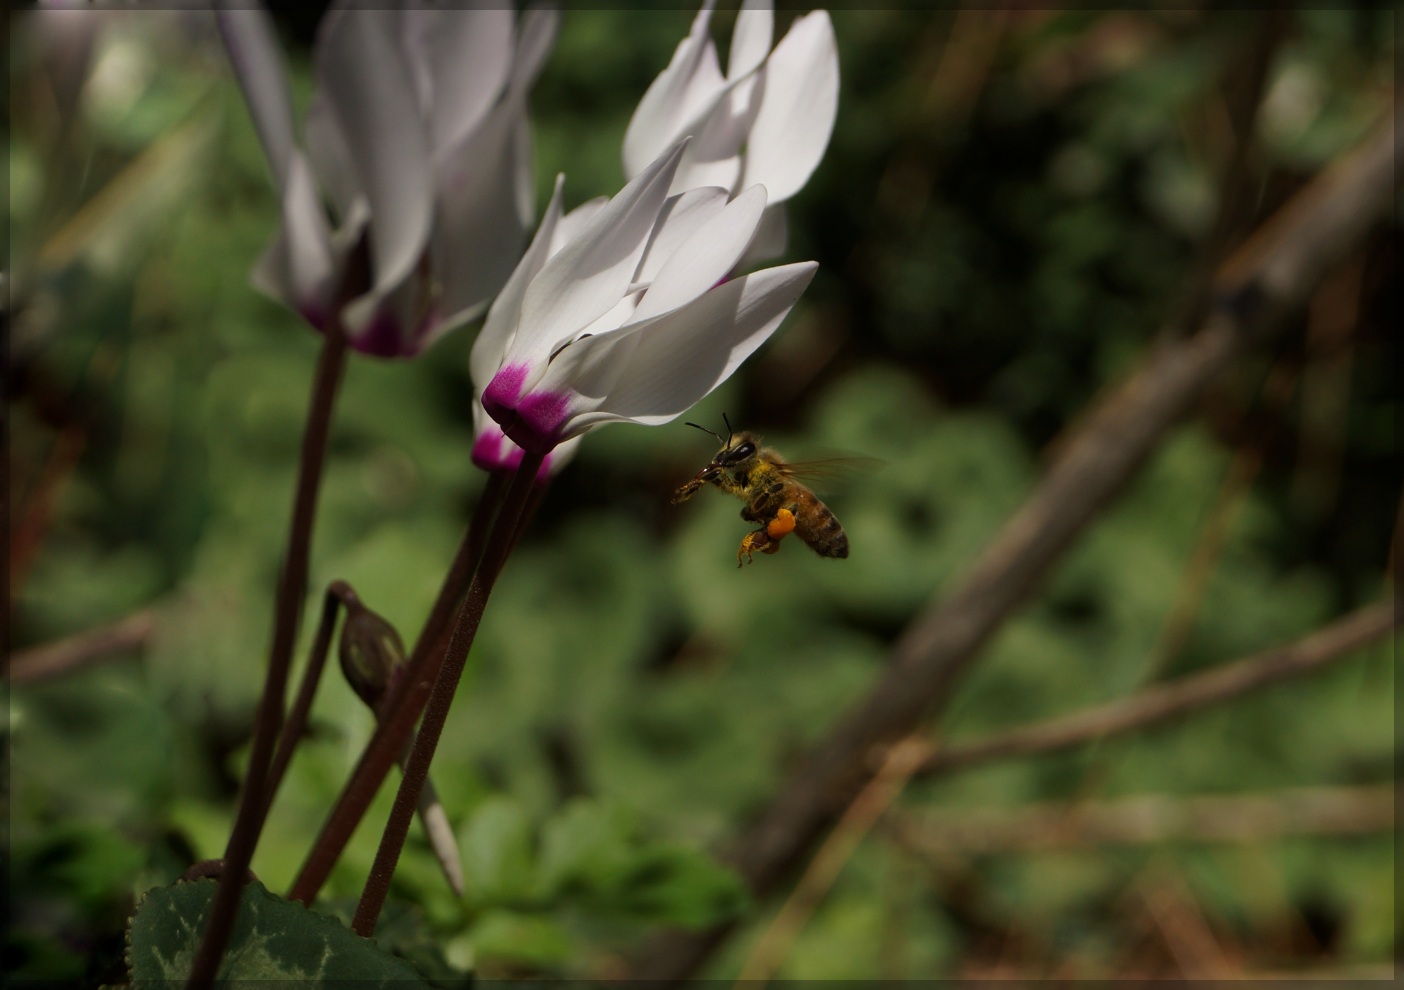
<point>774,497</point>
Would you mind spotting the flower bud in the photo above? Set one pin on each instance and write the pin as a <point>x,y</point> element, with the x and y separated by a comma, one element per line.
<point>371,651</point>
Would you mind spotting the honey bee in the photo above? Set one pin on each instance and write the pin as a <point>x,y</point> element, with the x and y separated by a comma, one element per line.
<point>773,496</point>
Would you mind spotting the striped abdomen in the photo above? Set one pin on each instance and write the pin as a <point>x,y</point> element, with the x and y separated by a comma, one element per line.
<point>817,526</point>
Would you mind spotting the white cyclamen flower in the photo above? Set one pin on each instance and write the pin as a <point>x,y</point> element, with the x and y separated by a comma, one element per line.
<point>767,121</point>
<point>417,136</point>
<point>632,315</point>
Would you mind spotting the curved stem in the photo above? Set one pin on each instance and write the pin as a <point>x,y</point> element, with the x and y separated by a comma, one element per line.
<point>504,536</point>
<point>296,722</point>
<point>406,700</point>
<point>292,588</point>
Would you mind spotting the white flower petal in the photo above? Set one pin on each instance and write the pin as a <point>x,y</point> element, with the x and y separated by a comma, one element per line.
<point>378,115</point>
<point>658,373</point>
<point>478,231</point>
<point>771,237</point>
<point>728,121</point>
<point>501,323</point>
<point>705,258</point>
<point>575,221</point>
<point>751,38</point>
<point>330,158</point>
<point>297,267</point>
<point>725,173</point>
<point>797,109</point>
<point>535,38</point>
<point>672,100</point>
<point>464,56</point>
<point>681,217</point>
<point>590,274</point>
<point>258,63</point>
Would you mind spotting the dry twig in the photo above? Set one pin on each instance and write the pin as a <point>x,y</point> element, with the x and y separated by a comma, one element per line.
<point>53,659</point>
<point>1164,702</point>
<point>1149,819</point>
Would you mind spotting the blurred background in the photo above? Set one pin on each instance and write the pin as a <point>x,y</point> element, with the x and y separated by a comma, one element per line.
<point>1012,208</point>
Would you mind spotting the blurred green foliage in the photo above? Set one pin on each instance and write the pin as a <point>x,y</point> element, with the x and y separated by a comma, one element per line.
<point>1009,211</point>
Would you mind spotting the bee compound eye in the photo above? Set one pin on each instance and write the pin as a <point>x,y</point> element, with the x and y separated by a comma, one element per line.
<point>743,451</point>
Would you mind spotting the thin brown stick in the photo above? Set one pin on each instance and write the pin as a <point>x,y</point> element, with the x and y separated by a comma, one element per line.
<point>71,653</point>
<point>901,761</point>
<point>1164,702</point>
<point>1189,938</point>
<point>1213,535</point>
<point>1267,279</point>
<point>1149,819</point>
<point>1244,101</point>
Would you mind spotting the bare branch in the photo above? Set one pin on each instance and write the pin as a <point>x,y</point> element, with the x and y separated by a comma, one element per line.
<point>1164,702</point>
<point>1148,819</point>
<point>865,811</point>
<point>1268,278</point>
<point>80,650</point>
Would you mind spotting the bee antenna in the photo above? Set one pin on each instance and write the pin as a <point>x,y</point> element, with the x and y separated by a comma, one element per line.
<point>728,429</point>
<point>705,430</point>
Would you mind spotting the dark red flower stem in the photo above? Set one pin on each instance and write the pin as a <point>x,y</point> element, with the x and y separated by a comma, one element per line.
<point>407,697</point>
<point>338,593</point>
<point>292,590</point>
<point>505,532</point>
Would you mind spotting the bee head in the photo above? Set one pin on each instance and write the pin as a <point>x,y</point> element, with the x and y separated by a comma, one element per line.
<point>739,447</point>
<point>736,447</point>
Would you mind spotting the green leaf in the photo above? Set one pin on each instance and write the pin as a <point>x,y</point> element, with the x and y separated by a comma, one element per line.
<point>526,939</point>
<point>497,853</point>
<point>670,884</point>
<point>273,939</point>
<point>585,846</point>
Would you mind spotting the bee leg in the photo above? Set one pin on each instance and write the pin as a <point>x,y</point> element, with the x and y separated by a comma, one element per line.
<point>752,542</point>
<point>687,491</point>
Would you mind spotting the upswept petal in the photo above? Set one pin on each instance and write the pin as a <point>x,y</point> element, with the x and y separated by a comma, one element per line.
<point>378,115</point>
<point>501,323</point>
<point>750,38</point>
<point>461,58</point>
<point>476,191</point>
<point>729,122</point>
<point>297,267</point>
<point>771,237</point>
<point>681,217</point>
<point>673,98</point>
<point>660,373</point>
<point>536,36</point>
<point>592,272</point>
<point>331,159</point>
<point>575,221</point>
<point>797,109</point>
<point>705,258</point>
<point>725,173</point>
<point>258,63</point>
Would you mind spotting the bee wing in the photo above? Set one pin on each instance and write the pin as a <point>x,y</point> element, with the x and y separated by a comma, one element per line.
<point>829,468</point>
